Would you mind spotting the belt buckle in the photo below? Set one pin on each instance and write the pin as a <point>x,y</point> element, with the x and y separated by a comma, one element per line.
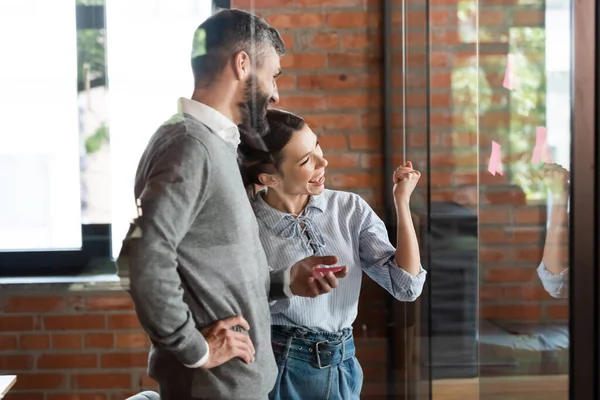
<point>318,356</point>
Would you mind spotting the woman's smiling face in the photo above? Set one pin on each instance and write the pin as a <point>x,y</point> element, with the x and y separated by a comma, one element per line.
<point>302,171</point>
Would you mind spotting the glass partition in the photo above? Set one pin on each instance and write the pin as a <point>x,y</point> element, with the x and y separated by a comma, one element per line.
<point>484,89</point>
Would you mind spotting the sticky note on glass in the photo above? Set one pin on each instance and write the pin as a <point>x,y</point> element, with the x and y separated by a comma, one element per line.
<point>495,164</point>
<point>199,45</point>
<point>509,75</point>
<point>541,152</point>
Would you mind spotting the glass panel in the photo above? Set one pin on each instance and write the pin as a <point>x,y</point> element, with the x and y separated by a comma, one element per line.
<point>148,53</point>
<point>39,155</point>
<point>494,202</point>
<point>524,111</point>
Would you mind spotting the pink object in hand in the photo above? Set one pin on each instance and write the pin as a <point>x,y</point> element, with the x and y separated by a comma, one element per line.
<point>326,270</point>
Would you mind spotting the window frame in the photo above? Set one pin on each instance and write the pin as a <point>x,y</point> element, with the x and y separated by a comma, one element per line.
<point>95,255</point>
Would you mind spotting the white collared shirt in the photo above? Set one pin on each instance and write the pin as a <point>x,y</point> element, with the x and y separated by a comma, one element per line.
<point>212,118</point>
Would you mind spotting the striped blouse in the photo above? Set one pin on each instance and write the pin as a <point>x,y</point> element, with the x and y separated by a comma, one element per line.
<point>333,223</point>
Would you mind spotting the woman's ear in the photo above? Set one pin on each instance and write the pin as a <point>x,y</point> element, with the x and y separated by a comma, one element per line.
<point>268,180</point>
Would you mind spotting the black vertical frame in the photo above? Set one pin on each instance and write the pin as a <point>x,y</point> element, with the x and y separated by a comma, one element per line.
<point>584,375</point>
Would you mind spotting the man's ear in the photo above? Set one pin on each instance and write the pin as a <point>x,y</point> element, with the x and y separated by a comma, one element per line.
<point>268,180</point>
<point>241,65</point>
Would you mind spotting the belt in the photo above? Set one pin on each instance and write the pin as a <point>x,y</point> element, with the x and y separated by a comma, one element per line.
<point>314,348</point>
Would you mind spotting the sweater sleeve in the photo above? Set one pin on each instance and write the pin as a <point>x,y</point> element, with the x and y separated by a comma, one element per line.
<point>174,191</point>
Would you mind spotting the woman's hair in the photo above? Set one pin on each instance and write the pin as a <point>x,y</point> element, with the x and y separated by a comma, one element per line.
<point>263,154</point>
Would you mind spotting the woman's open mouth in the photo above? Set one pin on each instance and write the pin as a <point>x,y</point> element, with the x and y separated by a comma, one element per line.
<point>318,181</point>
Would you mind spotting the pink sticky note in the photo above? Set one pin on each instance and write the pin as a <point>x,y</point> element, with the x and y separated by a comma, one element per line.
<point>495,164</point>
<point>509,75</point>
<point>541,152</point>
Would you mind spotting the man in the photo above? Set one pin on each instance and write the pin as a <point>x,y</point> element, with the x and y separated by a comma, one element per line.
<point>199,277</point>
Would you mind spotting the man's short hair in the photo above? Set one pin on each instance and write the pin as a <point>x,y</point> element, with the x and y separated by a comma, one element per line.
<point>226,33</point>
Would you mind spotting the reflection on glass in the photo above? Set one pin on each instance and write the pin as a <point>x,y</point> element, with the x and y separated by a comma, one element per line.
<point>494,318</point>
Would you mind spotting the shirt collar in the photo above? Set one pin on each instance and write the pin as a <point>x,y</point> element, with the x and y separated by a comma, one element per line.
<point>213,119</point>
<point>273,217</point>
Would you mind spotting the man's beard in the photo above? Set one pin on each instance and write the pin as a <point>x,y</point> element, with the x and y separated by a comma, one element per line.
<point>253,110</point>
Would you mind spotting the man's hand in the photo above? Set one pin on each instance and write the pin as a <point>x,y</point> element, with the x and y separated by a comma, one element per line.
<point>302,282</point>
<point>225,344</point>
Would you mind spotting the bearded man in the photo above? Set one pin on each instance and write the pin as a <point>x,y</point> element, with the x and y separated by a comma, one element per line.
<point>199,277</point>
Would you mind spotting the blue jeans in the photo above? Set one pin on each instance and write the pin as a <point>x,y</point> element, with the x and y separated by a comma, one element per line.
<point>315,365</point>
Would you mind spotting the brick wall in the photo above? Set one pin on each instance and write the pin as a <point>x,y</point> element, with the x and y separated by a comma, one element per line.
<point>332,76</point>
<point>90,347</point>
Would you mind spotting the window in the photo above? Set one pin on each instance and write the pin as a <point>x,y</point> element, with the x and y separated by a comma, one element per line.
<point>70,141</point>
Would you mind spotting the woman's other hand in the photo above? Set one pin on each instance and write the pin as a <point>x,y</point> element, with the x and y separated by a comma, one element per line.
<point>405,181</point>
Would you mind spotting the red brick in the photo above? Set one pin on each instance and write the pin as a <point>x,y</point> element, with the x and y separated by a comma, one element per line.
<point>557,311</point>
<point>34,341</point>
<point>350,101</point>
<point>489,18</point>
<point>288,40</point>
<point>8,342</point>
<point>66,341</point>
<point>327,3</point>
<point>16,362</point>
<point>361,41</point>
<point>528,17</point>
<point>496,255</point>
<point>326,41</point>
<point>371,160</point>
<point>353,60</point>
<point>521,312</point>
<point>333,141</point>
<point>337,81</point>
<point>303,103</point>
<point>131,340</point>
<point>73,396</point>
<point>344,20</point>
<point>353,181</point>
<point>24,396</point>
<point>123,321</point>
<point>75,322</point>
<point>528,255</point>
<point>101,381</point>
<point>342,161</point>
<point>100,340</point>
<point>530,216</point>
<point>286,83</point>
<point>124,360</point>
<point>250,4</point>
<point>107,303</point>
<point>148,383</point>
<point>306,20</point>
<point>507,274</point>
<point>495,216</point>
<point>39,381</point>
<point>304,61</point>
<point>365,142</point>
<point>18,323</point>
<point>67,361</point>
<point>338,122</point>
<point>502,292</point>
<point>34,304</point>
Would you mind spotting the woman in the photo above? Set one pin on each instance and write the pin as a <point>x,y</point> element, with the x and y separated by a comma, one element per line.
<point>297,217</point>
